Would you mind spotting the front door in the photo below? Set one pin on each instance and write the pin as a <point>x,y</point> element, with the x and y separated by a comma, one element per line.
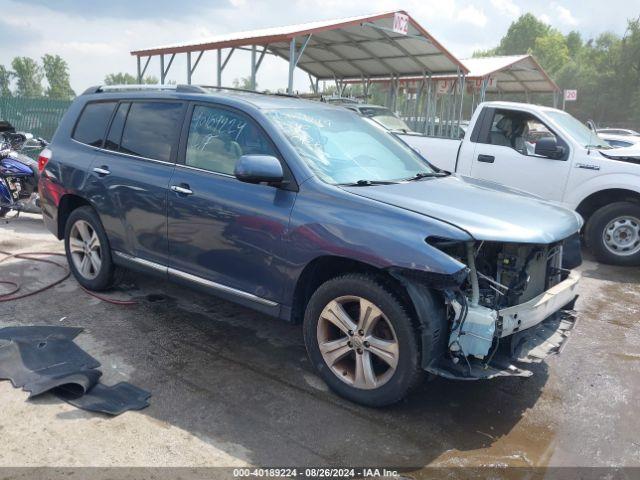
<point>506,155</point>
<point>220,229</point>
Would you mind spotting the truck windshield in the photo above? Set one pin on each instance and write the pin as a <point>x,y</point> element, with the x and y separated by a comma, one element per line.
<point>343,148</point>
<point>578,130</point>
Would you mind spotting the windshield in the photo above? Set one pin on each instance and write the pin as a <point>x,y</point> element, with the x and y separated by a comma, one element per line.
<point>384,117</point>
<point>343,148</point>
<point>578,130</point>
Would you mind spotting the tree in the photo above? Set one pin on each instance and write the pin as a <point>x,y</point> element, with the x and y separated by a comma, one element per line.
<point>551,51</point>
<point>522,35</point>
<point>574,43</point>
<point>57,72</point>
<point>5,80</point>
<point>29,77</point>
<point>244,83</point>
<point>122,78</point>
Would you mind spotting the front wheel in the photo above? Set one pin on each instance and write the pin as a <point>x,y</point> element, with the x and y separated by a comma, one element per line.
<point>613,234</point>
<point>361,340</point>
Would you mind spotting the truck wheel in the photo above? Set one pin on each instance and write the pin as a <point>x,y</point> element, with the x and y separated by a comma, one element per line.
<point>613,234</point>
<point>361,340</point>
<point>88,251</point>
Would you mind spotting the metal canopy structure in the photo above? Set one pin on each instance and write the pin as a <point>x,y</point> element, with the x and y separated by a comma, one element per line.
<point>390,44</point>
<point>512,74</point>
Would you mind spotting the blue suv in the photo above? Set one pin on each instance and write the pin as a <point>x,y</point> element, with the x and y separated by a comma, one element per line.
<point>307,212</point>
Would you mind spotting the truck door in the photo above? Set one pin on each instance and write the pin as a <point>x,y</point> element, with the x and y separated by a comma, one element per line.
<point>505,153</point>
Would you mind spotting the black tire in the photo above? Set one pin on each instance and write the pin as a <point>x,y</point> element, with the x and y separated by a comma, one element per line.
<point>106,275</point>
<point>595,229</point>
<point>3,212</point>
<point>408,372</point>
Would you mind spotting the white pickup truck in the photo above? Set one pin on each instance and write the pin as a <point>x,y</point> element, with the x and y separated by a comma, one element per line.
<point>551,154</point>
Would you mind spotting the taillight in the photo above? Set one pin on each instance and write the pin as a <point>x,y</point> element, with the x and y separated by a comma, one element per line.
<point>43,158</point>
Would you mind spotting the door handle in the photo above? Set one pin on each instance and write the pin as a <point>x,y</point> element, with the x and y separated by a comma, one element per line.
<point>486,158</point>
<point>182,189</point>
<point>102,171</point>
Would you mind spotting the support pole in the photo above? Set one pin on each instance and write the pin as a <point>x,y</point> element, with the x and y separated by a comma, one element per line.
<point>292,65</point>
<point>219,68</point>
<point>188,68</point>
<point>253,67</point>
<point>139,69</point>
<point>162,69</point>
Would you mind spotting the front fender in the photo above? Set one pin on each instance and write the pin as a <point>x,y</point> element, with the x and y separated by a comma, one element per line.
<point>623,181</point>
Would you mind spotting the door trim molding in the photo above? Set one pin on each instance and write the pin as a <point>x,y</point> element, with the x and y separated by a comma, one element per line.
<point>195,279</point>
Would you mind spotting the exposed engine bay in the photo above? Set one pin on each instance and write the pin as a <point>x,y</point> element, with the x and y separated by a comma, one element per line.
<point>510,288</point>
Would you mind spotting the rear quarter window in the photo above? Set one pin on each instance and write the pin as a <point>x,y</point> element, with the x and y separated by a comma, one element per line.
<point>92,124</point>
<point>152,130</point>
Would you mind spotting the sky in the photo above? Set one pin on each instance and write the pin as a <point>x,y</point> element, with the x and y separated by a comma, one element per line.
<point>95,38</point>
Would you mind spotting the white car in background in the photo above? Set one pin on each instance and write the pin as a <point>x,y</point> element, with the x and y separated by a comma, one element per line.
<point>618,140</point>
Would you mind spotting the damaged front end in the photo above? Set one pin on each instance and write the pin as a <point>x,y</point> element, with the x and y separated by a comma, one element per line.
<point>513,307</point>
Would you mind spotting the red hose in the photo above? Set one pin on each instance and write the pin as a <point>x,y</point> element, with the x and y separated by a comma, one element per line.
<point>33,256</point>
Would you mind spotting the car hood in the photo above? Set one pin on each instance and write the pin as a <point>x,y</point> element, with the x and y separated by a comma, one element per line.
<point>486,210</point>
<point>622,153</point>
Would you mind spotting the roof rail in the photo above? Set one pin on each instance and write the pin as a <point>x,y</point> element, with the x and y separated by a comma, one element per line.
<point>177,88</point>
<point>235,89</point>
<point>143,87</point>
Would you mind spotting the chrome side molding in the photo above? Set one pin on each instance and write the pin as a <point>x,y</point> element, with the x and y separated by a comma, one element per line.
<point>195,279</point>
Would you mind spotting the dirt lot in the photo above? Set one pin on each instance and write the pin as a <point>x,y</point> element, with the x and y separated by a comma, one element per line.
<point>232,387</point>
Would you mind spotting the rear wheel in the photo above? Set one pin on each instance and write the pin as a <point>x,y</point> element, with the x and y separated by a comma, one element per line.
<point>88,251</point>
<point>613,234</point>
<point>361,340</point>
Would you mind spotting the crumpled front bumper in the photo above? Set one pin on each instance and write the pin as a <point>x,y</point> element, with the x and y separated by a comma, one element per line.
<point>532,331</point>
<point>526,315</point>
<point>525,347</point>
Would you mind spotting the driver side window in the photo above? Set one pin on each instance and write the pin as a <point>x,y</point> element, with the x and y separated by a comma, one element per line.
<point>517,130</point>
<point>219,137</point>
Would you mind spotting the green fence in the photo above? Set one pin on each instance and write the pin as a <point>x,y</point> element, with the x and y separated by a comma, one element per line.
<point>39,116</point>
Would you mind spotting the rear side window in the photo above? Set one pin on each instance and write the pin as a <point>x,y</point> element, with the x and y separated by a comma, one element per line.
<point>115,132</point>
<point>152,130</point>
<point>92,124</point>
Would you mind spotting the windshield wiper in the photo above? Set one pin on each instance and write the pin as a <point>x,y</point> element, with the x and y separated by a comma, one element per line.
<point>366,183</point>
<point>421,175</point>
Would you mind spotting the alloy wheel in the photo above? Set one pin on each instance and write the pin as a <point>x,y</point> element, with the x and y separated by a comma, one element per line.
<point>85,249</point>
<point>358,342</point>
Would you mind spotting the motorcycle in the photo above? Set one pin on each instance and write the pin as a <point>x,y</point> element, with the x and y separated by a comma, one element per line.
<point>18,173</point>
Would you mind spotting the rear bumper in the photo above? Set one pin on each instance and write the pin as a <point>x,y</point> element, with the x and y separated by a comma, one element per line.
<point>531,313</point>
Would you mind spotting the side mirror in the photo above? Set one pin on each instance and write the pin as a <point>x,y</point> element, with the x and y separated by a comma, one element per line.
<point>259,169</point>
<point>548,147</point>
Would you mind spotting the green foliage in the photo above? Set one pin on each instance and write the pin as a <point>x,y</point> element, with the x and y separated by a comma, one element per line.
<point>552,51</point>
<point>522,35</point>
<point>122,78</point>
<point>244,83</point>
<point>57,72</point>
<point>604,70</point>
<point>29,77</point>
<point>5,80</point>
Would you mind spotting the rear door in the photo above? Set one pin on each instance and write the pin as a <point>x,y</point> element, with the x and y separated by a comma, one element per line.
<point>223,231</point>
<point>505,153</point>
<point>130,176</point>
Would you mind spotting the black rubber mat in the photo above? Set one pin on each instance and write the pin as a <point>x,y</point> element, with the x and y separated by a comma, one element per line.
<point>113,400</point>
<point>46,359</point>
